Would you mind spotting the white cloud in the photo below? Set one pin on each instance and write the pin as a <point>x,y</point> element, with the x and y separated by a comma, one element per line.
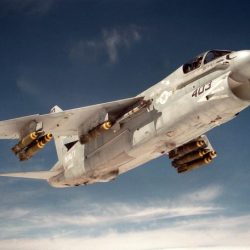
<point>170,224</point>
<point>206,194</point>
<point>109,45</point>
<point>223,235</point>
<point>82,213</point>
<point>194,223</point>
<point>114,40</point>
<point>118,215</point>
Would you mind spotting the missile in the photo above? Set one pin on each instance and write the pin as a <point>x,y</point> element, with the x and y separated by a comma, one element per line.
<point>93,133</point>
<point>187,148</point>
<point>194,164</point>
<point>190,157</point>
<point>35,147</point>
<point>26,141</point>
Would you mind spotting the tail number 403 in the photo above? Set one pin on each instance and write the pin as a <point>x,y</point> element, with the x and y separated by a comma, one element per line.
<point>202,89</point>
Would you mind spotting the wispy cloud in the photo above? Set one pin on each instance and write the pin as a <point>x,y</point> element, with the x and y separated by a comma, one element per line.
<point>110,43</point>
<point>207,194</point>
<point>27,7</point>
<point>14,213</point>
<point>27,87</point>
<point>81,213</point>
<point>115,39</point>
<point>30,82</point>
<point>198,222</point>
<point>119,214</point>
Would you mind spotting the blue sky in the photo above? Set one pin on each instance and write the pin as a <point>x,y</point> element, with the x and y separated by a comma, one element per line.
<point>78,53</point>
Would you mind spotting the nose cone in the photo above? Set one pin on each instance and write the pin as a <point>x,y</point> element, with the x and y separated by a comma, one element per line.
<point>241,68</point>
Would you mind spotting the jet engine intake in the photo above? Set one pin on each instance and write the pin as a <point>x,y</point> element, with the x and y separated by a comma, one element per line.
<point>241,89</point>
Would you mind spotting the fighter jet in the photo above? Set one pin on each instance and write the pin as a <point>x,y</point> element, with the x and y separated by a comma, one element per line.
<point>97,143</point>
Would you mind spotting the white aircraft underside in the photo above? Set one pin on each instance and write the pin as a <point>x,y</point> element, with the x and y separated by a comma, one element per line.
<point>100,142</point>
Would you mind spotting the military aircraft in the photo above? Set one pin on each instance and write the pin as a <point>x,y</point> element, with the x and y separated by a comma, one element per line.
<point>97,143</point>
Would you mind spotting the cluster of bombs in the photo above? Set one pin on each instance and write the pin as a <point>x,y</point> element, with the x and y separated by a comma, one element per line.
<point>191,155</point>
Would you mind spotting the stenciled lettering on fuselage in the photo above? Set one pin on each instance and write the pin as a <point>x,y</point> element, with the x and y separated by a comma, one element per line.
<point>202,89</point>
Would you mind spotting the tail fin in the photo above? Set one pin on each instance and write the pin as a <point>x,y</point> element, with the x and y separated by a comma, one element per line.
<point>60,147</point>
<point>62,143</point>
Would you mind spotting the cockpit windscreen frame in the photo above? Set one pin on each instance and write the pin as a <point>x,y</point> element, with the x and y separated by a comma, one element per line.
<point>204,58</point>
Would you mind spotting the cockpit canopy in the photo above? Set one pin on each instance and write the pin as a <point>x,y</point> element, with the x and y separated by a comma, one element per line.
<point>204,58</point>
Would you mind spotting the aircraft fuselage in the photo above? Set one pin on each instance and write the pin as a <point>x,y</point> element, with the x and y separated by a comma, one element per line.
<point>195,98</point>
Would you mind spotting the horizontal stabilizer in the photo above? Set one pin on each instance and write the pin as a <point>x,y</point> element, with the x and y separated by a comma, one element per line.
<point>43,175</point>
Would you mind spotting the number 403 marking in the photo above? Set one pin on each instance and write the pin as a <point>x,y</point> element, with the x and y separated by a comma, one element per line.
<point>202,89</point>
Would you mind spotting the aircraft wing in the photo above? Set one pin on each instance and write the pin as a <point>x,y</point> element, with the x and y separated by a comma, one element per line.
<point>65,123</point>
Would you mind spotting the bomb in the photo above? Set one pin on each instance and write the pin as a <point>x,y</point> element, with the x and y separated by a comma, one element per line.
<point>187,148</point>
<point>93,133</point>
<point>26,141</point>
<point>190,157</point>
<point>194,164</point>
<point>34,147</point>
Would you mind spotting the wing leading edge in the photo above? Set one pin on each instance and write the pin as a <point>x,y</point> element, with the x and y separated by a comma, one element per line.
<point>63,123</point>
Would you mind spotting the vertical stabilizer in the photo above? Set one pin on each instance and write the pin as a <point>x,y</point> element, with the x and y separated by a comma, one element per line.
<point>59,140</point>
<point>62,143</point>
<point>60,147</point>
